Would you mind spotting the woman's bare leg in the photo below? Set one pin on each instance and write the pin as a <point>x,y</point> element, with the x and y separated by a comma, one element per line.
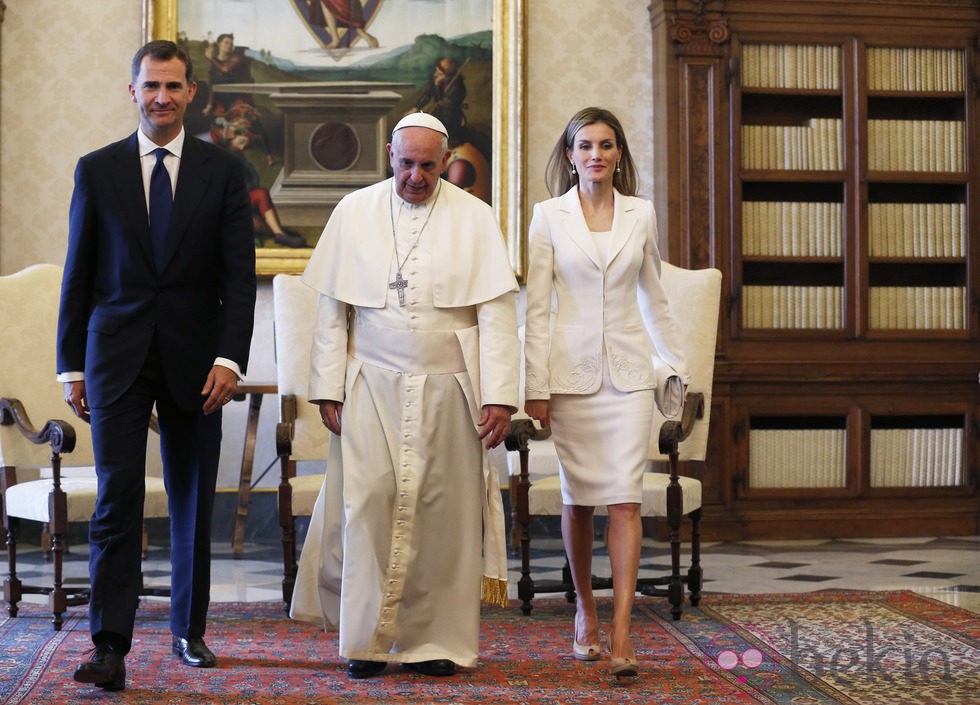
<point>577,532</point>
<point>625,532</point>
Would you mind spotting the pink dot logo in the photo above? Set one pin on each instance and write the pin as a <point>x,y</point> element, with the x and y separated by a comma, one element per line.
<point>750,658</point>
<point>740,655</point>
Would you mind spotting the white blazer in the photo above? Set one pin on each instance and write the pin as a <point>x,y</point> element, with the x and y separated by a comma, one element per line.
<point>579,309</point>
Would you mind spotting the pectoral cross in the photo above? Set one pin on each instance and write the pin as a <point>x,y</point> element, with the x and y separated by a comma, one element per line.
<point>399,284</point>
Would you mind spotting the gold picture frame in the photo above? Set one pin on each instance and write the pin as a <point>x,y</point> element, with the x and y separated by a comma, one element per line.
<point>161,21</point>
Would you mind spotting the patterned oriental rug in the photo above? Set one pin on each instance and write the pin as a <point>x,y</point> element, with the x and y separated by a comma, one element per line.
<point>820,648</point>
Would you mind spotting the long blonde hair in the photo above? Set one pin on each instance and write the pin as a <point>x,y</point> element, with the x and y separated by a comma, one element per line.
<point>557,174</point>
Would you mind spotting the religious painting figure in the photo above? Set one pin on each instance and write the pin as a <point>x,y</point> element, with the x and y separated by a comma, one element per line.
<point>444,97</point>
<point>234,132</point>
<point>333,15</point>
<point>226,64</point>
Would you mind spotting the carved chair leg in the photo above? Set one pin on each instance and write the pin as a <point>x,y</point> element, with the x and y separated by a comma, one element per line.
<point>695,578</point>
<point>287,522</point>
<point>12,585</point>
<point>58,598</point>
<point>522,519</point>
<point>525,590</point>
<point>525,586</point>
<point>514,549</point>
<point>675,589</point>
<point>58,525</point>
<point>289,566</point>
<point>46,542</point>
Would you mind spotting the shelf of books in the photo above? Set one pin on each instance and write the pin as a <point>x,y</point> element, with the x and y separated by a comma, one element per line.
<point>797,452</point>
<point>917,243</point>
<point>793,66</point>
<point>911,451</point>
<point>915,69</point>
<point>917,451</point>
<point>794,177</point>
<point>792,196</point>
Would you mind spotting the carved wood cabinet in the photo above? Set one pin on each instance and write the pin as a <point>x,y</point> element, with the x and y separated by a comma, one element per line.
<point>824,155</point>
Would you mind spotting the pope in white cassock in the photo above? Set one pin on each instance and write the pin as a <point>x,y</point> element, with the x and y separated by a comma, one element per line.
<point>415,368</point>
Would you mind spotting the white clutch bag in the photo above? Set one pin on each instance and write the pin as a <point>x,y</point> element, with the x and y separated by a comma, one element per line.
<point>669,393</point>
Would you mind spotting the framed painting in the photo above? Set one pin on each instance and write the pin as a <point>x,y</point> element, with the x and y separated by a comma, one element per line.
<point>305,92</point>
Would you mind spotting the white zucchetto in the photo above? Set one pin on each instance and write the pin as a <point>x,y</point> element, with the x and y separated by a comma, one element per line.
<point>421,119</point>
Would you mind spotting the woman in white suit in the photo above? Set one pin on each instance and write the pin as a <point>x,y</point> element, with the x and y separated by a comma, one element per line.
<point>597,319</point>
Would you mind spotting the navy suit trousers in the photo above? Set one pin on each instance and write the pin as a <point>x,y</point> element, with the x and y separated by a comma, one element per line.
<point>190,443</point>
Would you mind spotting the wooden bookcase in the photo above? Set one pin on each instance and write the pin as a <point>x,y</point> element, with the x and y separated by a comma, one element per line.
<point>824,155</point>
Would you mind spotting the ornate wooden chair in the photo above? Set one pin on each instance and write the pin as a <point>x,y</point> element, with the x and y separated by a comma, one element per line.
<point>47,471</point>
<point>300,435</point>
<point>695,297</point>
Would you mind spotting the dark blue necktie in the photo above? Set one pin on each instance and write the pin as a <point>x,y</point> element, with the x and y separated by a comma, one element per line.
<point>161,203</point>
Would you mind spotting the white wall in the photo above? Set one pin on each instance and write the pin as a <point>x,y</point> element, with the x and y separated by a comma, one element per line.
<point>65,71</point>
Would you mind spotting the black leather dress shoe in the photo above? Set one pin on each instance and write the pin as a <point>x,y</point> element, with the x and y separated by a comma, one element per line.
<point>364,669</point>
<point>437,667</point>
<point>194,652</point>
<point>105,669</point>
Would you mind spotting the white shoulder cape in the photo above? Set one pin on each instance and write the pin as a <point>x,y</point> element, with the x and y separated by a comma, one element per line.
<point>352,258</point>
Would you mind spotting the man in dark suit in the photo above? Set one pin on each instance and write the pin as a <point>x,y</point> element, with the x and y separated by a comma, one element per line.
<point>154,310</point>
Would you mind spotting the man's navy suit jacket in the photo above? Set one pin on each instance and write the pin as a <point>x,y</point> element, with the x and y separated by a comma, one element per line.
<point>114,301</point>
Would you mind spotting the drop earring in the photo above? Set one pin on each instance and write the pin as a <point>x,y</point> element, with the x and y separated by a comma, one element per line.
<point>571,169</point>
<point>618,170</point>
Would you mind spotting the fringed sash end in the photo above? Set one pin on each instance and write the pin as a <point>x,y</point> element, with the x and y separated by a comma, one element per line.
<point>494,591</point>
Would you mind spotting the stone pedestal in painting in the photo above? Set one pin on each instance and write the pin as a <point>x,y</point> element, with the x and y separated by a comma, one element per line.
<point>334,137</point>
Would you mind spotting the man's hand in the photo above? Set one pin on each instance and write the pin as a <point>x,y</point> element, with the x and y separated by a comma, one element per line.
<point>494,424</point>
<point>219,388</point>
<point>76,398</point>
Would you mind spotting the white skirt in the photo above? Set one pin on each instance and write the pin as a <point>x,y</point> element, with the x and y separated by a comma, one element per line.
<point>602,441</point>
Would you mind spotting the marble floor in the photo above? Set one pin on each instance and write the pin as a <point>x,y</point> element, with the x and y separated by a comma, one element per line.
<point>945,568</point>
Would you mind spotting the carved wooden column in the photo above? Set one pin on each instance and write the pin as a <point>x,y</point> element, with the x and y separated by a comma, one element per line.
<point>690,93</point>
<point>691,189</point>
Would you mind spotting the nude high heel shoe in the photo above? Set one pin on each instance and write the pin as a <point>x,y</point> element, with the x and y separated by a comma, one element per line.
<point>584,652</point>
<point>623,667</point>
<point>589,652</point>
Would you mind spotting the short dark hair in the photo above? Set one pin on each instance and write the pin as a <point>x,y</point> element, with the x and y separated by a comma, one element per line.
<point>162,50</point>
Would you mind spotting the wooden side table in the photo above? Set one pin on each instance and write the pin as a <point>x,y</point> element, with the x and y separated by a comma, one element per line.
<point>255,391</point>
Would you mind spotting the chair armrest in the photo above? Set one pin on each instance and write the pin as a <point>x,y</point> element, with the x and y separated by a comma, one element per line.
<point>522,431</point>
<point>673,432</point>
<point>285,429</point>
<point>60,435</point>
